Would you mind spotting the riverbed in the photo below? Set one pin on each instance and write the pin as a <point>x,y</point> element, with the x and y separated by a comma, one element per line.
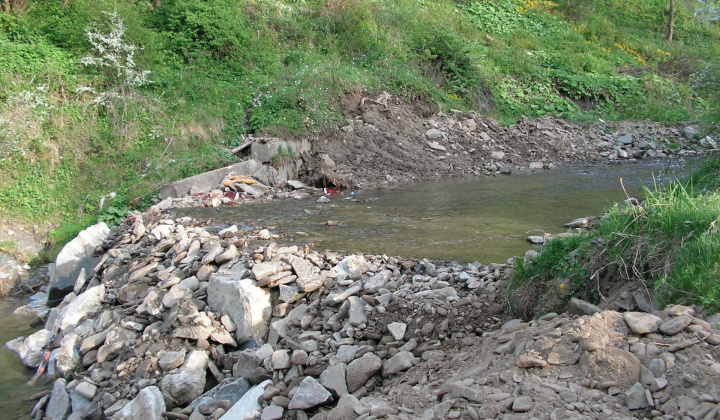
<point>486,220</point>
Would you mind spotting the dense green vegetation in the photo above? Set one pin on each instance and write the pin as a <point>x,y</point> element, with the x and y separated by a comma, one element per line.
<point>669,243</point>
<point>119,96</point>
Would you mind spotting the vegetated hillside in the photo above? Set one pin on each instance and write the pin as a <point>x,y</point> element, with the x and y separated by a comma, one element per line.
<point>102,101</point>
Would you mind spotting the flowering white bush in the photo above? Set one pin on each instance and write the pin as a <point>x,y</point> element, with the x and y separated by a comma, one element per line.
<point>21,119</point>
<point>116,54</point>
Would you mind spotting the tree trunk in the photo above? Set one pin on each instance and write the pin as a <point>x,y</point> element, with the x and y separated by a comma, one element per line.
<point>6,6</point>
<point>671,22</point>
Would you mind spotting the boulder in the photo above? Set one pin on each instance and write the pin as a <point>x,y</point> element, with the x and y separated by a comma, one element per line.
<point>248,306</point>
<point>31,350</point>
<point>641,323</point>
<point>79,308</point>
<point>76,255</point>
<point>58,407</point>
<point>362,369</point>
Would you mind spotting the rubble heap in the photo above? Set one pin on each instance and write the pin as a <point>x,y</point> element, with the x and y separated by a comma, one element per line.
<point>183,320</point>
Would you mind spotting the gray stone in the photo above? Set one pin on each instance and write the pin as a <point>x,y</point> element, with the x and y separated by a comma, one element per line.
<point>679,310</point>
<point>309,394</point>
<point>31,350</point>
<point>434,133</point>
<point>625,139</point>
<point>248,306</point>
<point>397,329</point>
<point>356,311</point>
<point>81,307</point>
<point>523,404</point>
<point>247,404</point>
<point>171,360</point>
<point>436,146</point>
<point>333,379</point>
<point>376,282</point>
<point>701,410</point>
<point>281,359</point>
<point>58,407</point>
<point>641,323</point>
<point>272,412</point>
<point>352,266</point>
<point>86,389</point>
<point>346,408</point>
<point>310,283</point>
<point>301,267</point>
<point>289,293</point>
<point>230,253</point>
<point>580,307</point>
<point>346,353</point>
<point>497,155</point>
<point>68,356</point>
<point>637,397</point>
<point>182,387</point>
<point>536,165</point>
<point>75,256</point>
<point>401,361</point>
<point>148,405</point>
<point>675,325</point>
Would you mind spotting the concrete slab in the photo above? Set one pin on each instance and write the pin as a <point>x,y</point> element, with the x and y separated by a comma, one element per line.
<point>263,149</point>
<point>210,180</point>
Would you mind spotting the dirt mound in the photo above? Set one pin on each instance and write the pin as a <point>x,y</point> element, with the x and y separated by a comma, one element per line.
<point>388,141</point>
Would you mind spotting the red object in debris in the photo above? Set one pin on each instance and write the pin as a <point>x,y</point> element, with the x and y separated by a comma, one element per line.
<point>232,195</point>
<point>330,191</point>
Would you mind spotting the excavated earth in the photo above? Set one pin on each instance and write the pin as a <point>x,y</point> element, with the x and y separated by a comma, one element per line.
<point>183,319</point>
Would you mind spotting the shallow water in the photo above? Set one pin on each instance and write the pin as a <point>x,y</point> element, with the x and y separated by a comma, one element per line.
<point>486,220</point>
<point>13,374</point>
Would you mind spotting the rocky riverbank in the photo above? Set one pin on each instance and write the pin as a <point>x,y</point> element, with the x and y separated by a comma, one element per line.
<point>181,319</point>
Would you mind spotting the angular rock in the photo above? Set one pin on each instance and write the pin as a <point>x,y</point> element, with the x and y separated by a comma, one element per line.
<point>362,369</point>
<point>31,350</point>
<point>148,405</point>
<point>310,283</point>
<point>309,394</point>
<point>397,329</point>
<point>379,280</point>
<point>638,397</point>
<point>183,387</point>
<point>580,307</point>
<point>333,379</point>
<point>58,407</point>
<point>171,360</point>
<point>401,361</point>
<point>248,404</point>
<point>83,305</point>
<point>248,306</point>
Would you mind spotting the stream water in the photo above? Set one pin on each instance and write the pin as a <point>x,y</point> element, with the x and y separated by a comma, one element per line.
<point>484,220</point>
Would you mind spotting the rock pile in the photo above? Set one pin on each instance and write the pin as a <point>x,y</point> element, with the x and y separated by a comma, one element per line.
<point>178,319</point>
<point>182,320</point>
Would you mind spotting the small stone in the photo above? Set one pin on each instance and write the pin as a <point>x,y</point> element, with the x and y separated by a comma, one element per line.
<point>86,389</point>
<point>637,397</point>
<point>309,394</point>
<point>522,404</point>
<point>530,360</point>
<point>397,329</point>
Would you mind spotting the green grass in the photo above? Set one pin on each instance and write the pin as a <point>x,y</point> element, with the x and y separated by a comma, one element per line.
<point>220,70</point>
<point>670,243</point>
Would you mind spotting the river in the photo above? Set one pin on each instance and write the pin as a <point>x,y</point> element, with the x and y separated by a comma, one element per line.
<point>484,220</point>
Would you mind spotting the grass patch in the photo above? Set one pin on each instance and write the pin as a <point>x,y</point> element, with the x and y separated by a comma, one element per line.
<point>670,243</point>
